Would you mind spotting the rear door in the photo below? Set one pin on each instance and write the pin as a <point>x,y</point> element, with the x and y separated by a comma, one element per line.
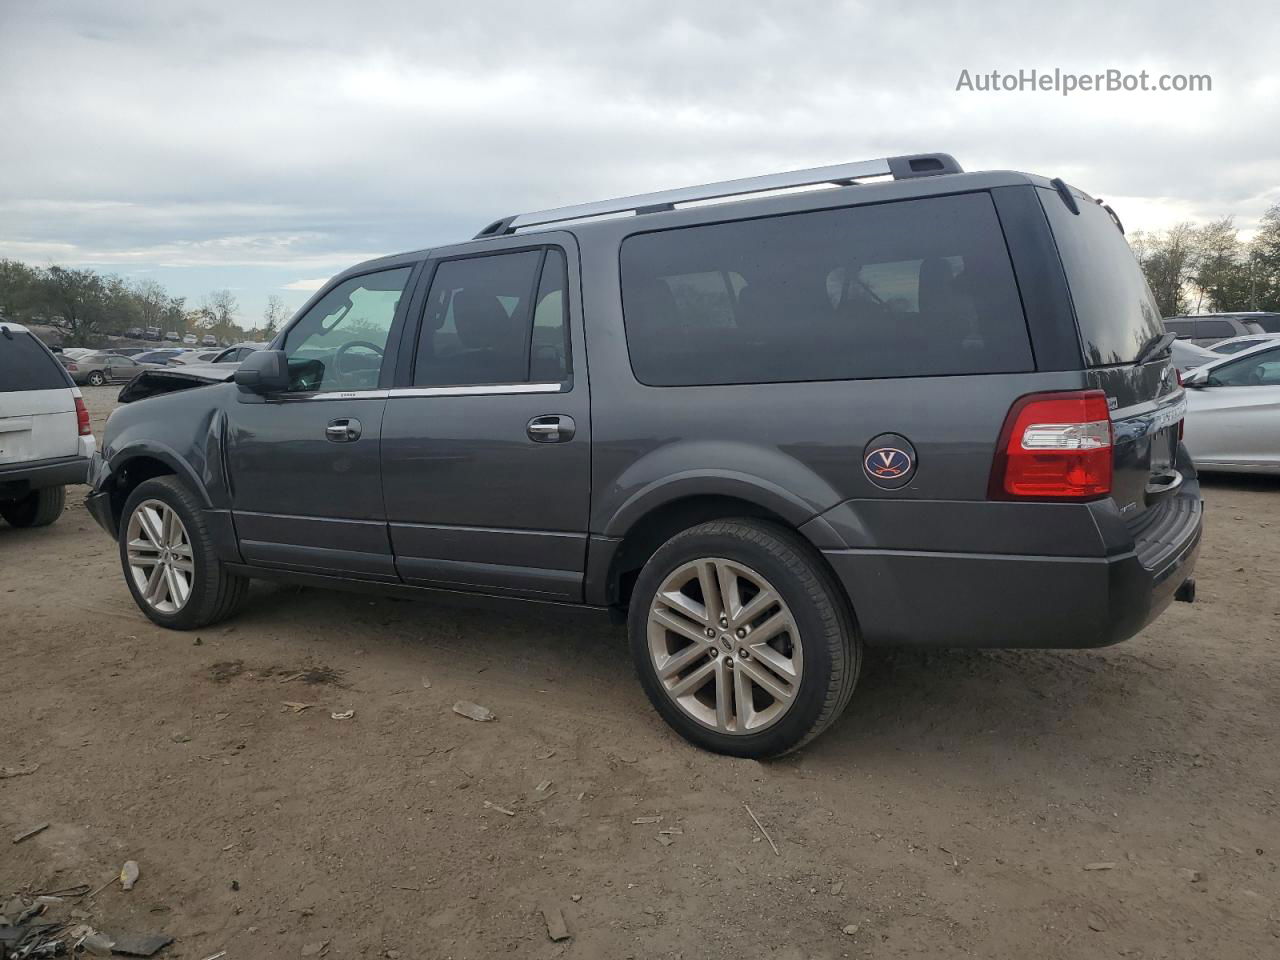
<point>37,406</point>
<point>486,444</point>
<point>1117,316</point>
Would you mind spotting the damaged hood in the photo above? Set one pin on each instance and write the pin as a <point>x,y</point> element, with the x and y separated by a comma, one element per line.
<point>149,383</point>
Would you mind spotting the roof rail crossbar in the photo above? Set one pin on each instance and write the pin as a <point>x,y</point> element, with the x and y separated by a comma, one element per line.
<point>842,174</point>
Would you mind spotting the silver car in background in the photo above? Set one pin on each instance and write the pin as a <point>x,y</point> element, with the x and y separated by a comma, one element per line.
<point>1233,412</point>
<point>1237,344</point>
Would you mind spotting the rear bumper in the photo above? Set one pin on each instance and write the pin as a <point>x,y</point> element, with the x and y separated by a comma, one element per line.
<point>957,599</point>
<point>19,478</point>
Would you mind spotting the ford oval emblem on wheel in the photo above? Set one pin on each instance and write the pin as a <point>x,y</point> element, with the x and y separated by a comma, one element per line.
<point>889,461</point>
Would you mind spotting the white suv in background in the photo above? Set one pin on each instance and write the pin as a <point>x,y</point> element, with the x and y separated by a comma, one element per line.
<point>45,440</point>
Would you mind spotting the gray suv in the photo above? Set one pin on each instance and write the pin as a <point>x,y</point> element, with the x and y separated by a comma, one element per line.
<point>1206,329</point>
<point>919,407</point>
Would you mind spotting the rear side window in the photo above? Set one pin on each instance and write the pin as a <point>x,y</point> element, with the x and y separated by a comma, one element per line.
<point>1270,323</point>
<point>905,289</point>
<point>1219,329</point>
<point>495,319</point>
<point>26,365</point>
<point>1115,311</point>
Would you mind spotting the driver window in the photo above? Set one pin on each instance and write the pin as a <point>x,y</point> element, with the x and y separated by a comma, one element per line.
<point>339,343</point>
<point>1257,370</point>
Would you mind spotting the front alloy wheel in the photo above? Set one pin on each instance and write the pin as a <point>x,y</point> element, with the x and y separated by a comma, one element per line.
<point>159,556</point>
<point>725,646</point>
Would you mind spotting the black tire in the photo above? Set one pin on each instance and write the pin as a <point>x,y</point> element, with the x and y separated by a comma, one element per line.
<point>215,593</point>
<point>97,378</point>
<point>39,508</point>
<point>832,649</point>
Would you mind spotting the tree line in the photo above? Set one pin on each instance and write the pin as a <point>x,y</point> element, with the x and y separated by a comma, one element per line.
<point>1209,269</point>
<point>86,306</point>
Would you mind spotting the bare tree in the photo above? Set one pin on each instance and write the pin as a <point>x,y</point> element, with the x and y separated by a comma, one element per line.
<point>218,310</point>
<point>275,314</point>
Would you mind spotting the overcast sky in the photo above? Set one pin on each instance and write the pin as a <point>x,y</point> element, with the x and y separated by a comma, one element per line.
<point>264,146</point>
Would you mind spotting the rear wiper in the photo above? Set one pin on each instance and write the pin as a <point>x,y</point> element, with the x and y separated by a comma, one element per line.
<point>1154,347</point>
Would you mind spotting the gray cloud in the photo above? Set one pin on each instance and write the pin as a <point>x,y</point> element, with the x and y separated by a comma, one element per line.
<point>300,136</point>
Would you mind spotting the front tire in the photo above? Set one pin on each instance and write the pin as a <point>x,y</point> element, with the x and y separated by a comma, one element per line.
<point>169,562</point>
<point>742,639</point>
<point>39,508</point>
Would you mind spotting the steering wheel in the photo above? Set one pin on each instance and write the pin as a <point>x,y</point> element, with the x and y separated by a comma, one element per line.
<point>350,345</point>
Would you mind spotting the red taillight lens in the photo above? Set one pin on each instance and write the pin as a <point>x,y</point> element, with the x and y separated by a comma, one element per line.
<point>82,417</point>
<point>72,367</point>
<point>1054,446</point>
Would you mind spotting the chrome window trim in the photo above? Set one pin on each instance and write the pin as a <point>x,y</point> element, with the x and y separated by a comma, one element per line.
<point>480,389</point>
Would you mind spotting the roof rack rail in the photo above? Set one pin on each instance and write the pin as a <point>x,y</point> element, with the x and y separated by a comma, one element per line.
<point>842,174</point>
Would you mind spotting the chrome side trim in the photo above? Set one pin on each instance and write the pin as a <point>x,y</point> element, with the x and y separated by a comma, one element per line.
<point>476,390</point>
<point>332,395</point>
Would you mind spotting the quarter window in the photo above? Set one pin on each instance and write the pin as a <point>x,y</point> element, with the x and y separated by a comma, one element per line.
<point>495,319</point>
<point>338,344</point>
<point>912,288</point>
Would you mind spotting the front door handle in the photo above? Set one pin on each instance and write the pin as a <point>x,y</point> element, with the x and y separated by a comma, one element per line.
<point>554,428</point>
<point>342,431</point>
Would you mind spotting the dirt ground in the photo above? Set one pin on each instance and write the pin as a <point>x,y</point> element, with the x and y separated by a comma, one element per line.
<point>953,811</point>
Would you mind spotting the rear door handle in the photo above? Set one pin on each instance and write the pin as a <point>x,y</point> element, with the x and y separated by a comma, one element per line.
<point>342,431</point>
<point>553,428</point>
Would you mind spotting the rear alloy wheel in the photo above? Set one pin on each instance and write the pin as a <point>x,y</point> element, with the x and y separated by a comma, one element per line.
<point>743,641</point>
<point>725,645</point>
<point>169,561</point>
<point>97,378</point>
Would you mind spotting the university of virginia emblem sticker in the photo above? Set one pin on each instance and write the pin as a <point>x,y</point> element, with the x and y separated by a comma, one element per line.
<point>889,461</point>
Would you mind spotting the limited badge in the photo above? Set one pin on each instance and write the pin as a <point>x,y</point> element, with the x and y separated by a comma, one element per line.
<point>889,461</point>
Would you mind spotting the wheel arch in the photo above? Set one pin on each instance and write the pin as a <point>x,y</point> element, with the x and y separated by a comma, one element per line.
<point>143,461</point>
<point>637,533</point>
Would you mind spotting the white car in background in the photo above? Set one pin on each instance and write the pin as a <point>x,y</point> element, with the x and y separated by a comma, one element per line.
<point>45,440</point>
<point>1233,411</point>
<point>1236,344</point>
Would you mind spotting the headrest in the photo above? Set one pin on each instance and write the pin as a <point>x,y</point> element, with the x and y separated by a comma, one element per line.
<point>480,319</point>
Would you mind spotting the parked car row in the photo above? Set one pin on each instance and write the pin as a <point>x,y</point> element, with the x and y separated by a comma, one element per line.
<point>153,333</point>
<point>98,367</point>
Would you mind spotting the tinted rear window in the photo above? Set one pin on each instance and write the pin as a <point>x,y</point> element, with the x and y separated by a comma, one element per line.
<point>1115,310</point>
<point>26,365</point>
<point>905,289</point>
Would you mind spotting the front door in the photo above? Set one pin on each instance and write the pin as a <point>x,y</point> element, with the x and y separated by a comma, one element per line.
<point>304,464</point>
<point>486,446</point>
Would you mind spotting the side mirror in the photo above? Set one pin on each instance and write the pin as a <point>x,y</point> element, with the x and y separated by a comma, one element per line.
<point>1196,380</point>
<point>264,372</point>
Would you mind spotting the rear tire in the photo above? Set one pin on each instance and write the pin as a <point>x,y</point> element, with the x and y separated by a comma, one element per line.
<point>793,686</point>
<point>97,378</point>
<point>39,508</point>
<point>212,593</point>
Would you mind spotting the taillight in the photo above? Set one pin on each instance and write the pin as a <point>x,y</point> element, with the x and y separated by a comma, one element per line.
<point>1054,446</point>
<point>72,367</point>
<point>82,417</point>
